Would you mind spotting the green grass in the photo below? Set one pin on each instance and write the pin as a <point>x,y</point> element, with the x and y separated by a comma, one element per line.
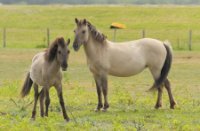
<point>131,107</point>
<point>26,25</point>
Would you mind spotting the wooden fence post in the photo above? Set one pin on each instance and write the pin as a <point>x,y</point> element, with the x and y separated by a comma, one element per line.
<point>178,43</point>
<point>4,37</point>
<point>190,40</point>
<point>143,33</point>
<point>48,37</point>
<point>114,35</point>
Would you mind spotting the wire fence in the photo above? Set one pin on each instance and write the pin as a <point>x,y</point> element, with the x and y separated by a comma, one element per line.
<point>41,38</point>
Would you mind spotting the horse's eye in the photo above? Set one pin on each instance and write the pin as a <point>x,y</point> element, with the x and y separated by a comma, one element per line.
<point>68,51</point>
<point>59,52</point>
<point>83,32</point>
<point>74,31</point>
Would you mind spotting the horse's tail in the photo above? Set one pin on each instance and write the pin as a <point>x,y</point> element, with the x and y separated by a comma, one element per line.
<point>27,86</point>
<point>167,65</point>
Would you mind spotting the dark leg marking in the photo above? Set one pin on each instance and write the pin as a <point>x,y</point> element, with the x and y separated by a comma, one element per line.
<point>42,95</point>
<point>171,98</point>
<point>62,104</point>
<point>36,95</point>
<point>98,87</point>
<point>105,93</point>
<point>159,99</point>
<point>47,102</point>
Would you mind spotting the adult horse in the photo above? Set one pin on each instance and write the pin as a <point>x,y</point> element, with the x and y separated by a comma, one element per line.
<point>123,59</point>
<point>45,71</point>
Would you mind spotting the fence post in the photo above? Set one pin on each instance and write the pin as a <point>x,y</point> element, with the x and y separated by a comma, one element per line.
<point>143,33</point>
<point>178,43</point>
<point>4,37</point>
<point>114,35</point>
<point>48,37</point>
<point>190,40</point>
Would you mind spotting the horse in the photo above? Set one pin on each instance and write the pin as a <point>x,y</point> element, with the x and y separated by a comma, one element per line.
<point>45,71</point>
<point>123,60</point>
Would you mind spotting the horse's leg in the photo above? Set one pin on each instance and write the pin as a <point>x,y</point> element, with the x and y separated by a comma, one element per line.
<point>98,87</point>
<point>171,98</point>
<point>156,74</point>
<point>47,102</point>
<point>105,92</point>
<point>62,104</point>
<point>159,99</point>
<point>36,95</point>
<point>42,95</point>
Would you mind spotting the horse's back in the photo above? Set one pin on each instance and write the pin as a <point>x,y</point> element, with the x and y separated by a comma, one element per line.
<point>38,56</point>
<point>144,42</point>
<point>154,51</point>
<point>130,58</point>
<point>37,67</point>
<point>144,45</point>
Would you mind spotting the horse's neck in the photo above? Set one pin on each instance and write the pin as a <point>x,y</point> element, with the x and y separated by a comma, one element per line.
<point>94,49</point>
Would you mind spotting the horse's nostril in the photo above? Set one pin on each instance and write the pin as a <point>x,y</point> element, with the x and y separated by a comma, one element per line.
<point>65,65</point>
<point>75,46</point>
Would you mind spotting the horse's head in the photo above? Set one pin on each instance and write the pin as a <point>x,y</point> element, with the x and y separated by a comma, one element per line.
<point>63,53</point>
<point>81,33</point>
<point>59,51</point>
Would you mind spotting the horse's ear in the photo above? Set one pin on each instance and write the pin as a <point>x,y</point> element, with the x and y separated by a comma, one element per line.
<point>76,21</point>
<point>68,42</point>
<point>84,21</point>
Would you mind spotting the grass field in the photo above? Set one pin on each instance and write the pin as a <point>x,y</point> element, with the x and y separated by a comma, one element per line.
<point>131,107</point>
<point>26,25</point>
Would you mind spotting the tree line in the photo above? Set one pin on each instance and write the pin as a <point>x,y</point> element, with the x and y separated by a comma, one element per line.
<point>139,2</point>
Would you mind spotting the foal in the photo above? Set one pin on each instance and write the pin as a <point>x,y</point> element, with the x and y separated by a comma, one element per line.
<point>45,71</point>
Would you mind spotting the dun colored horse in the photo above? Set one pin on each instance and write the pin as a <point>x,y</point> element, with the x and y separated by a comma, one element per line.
<point>45,71</point>
<point>123,59</point>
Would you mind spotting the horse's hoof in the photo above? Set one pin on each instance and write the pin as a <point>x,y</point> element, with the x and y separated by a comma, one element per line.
<point>67,120</point>
<point>104,110</point>
<point>157,106</point>
<point>32,119</point>
<point>153,89</point>
<point>96,110</point>
<point>173,104</point>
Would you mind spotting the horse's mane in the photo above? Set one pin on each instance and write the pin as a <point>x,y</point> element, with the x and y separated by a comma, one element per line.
<point>50,53</point>
<point>100,37</point>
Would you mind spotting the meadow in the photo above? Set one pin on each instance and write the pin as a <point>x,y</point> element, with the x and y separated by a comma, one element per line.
<point>29,23</point>
<point>131,107</point>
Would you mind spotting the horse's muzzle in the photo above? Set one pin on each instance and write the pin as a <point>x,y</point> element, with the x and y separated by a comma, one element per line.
<point>64,67</point>
<point>75,46</point>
